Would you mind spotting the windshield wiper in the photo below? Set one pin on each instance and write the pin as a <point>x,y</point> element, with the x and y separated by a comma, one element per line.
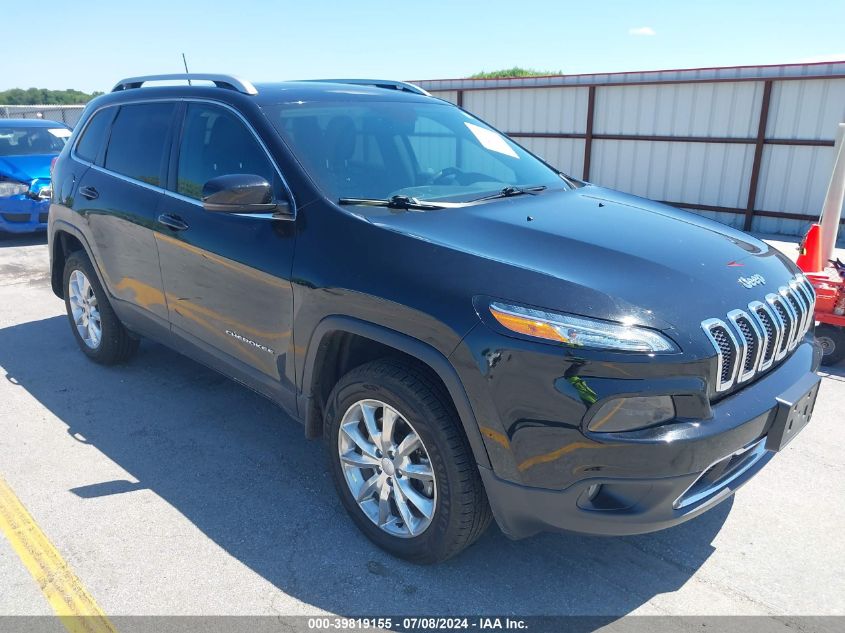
<point>409,202</point>
<point>398,202</point>
<point>510,191</point>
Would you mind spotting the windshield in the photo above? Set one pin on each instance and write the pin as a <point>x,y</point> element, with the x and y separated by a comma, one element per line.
<point>428,151</point>
<point>20,140</point>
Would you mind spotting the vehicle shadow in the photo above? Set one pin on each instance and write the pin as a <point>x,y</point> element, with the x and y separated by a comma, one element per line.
<point>8,240</point>
<point>834,372</point>
<point>242,472</point>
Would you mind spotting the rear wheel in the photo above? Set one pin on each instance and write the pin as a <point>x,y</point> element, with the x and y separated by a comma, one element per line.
<point>401,463</point>
<point>98,331</point>
<point>832,340</point>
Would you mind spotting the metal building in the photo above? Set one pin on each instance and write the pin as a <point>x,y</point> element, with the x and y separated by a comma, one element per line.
<point>750,146</point>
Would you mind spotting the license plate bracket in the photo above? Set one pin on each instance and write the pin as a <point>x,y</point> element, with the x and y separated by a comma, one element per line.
<point>794,409</point>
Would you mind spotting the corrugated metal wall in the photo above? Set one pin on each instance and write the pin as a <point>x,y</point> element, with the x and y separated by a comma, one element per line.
<point>795,177</point>
<point>688,137</point>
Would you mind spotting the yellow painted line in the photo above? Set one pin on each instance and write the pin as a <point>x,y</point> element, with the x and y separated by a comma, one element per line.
<point>69,599</point>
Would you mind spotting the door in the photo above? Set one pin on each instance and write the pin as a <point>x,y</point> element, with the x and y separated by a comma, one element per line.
<point>227,276</point>
<point>119,197</point>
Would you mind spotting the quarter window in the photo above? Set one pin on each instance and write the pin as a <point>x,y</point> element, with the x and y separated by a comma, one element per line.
<point>216,143</point>
<point>88,147</point>
<point>138,141</point>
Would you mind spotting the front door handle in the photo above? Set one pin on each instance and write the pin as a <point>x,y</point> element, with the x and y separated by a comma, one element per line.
<point>89,193</point>
<point>172,221</point>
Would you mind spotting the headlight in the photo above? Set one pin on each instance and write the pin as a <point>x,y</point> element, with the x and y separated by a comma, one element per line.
<point>12,188</point>
<point>579,331</point>
<point>41,191</point>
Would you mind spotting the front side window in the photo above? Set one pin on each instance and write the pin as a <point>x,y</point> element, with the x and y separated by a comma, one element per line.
<point>139,140</point>
<point>22,140</point>
<point>216,143</point>
<point>380,149</point>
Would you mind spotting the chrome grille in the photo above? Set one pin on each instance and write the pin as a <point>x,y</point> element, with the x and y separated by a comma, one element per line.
<point>751,341</point>
<point>798,307</point>
<point>727,348</point>
<point>747,333</point>
<point>751,338</point>
<point>800,303</point>
<point>785,314</point>
<point>762,314</point>
<point>805,285</point>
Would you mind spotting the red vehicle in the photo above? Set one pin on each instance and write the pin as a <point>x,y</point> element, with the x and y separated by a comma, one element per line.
<point>830,311</point>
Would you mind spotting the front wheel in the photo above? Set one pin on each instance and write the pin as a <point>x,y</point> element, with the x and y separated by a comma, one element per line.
<point>401,463</point>
<point>832,340</point>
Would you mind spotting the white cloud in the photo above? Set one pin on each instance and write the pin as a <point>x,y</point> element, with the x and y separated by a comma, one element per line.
<point>642,30</point>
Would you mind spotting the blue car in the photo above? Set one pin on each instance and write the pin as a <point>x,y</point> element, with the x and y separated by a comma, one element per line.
<point>27,147</point>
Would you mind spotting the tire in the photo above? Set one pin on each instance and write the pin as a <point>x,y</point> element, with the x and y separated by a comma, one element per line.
<point>460,511</point>
<point>115,344</point>
<point>832,339</point>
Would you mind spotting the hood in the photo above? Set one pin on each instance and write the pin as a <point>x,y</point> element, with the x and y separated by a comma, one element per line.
<point>26,167</point>
<point>618,256</point>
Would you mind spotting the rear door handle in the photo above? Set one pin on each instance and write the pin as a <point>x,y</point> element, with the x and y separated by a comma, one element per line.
<point>172,222</point>
<point>89,193</point>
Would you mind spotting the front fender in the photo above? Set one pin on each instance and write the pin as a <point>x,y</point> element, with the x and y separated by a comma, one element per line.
<point>425,353</point>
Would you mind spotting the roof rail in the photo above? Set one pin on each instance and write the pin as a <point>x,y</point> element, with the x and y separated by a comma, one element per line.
<point>390,84</point>
<point>221,81</point>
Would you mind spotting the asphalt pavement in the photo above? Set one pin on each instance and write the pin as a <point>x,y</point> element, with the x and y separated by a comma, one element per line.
<point>169,489</point>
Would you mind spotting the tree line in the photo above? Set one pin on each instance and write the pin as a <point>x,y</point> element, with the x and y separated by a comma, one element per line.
<point>43,96</point>
<point>516,71</point>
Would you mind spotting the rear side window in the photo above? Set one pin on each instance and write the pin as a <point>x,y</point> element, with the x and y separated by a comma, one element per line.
<point>214,143</point>
<point>138,141</point>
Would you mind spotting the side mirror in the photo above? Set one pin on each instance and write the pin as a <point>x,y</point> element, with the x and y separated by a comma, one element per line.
<point>241,193</point>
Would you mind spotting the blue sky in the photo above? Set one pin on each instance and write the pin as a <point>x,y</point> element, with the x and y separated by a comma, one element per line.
<point>88,45</point>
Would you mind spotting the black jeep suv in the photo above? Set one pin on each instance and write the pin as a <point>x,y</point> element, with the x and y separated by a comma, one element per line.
<point>473,334</point>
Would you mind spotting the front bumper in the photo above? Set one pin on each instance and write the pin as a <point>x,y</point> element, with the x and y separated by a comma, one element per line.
<point>655,478</point>
<point>621,507</point>
<point>22,214</point>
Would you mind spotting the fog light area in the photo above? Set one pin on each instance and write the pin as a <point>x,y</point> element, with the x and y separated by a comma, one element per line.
<point>628,414</point>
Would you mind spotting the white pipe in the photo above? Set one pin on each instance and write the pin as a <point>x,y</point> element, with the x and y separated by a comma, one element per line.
<point>832,208</point>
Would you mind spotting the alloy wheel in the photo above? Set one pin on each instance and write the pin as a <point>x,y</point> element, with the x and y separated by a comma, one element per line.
<point>84,309</point>
<point>387,468</point>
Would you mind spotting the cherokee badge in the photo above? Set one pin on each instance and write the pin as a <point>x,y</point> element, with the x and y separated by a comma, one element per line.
<point>248,341</point>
